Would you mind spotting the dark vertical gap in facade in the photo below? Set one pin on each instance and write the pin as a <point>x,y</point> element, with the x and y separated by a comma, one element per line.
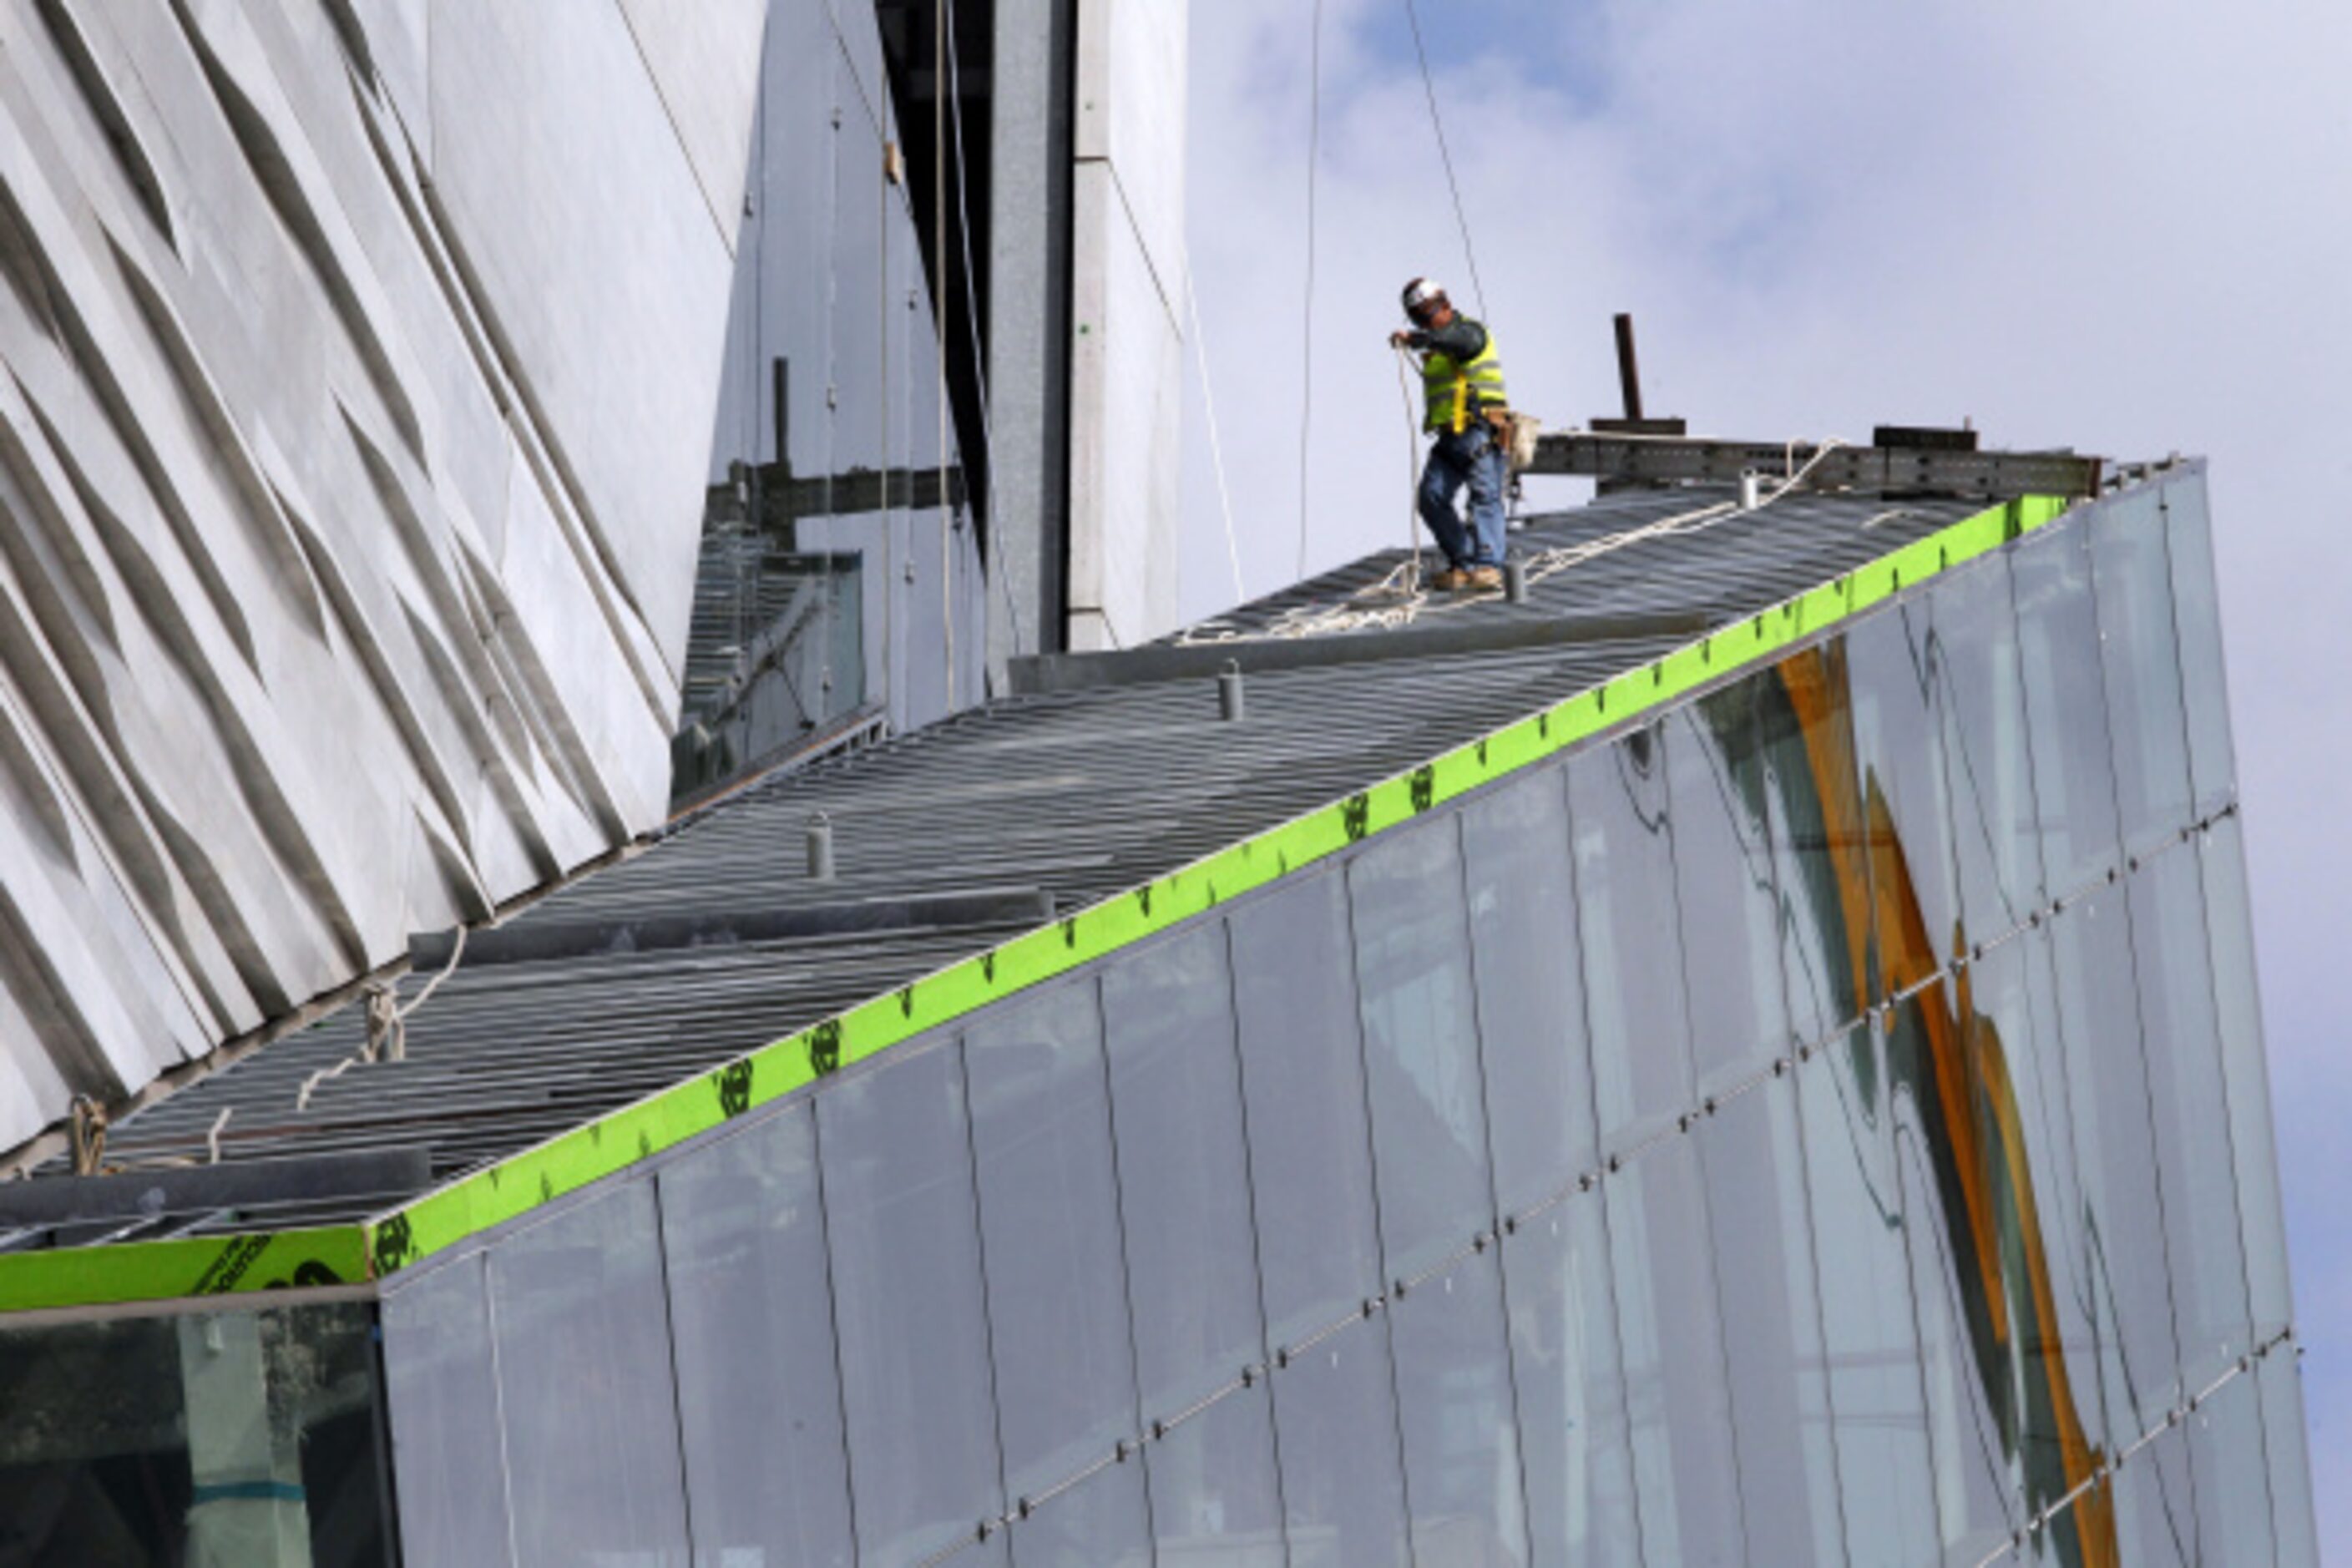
<point>1093,985</point>
<point>918,77</point>
<point>1380,1230</point>
<point>833,1319</point>
<point>1054,588</point>
<point>387,1484</point>
<point>1493,1195</point>
<point>1257,1256</point>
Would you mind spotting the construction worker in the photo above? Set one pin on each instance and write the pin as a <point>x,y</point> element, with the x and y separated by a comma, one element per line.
<point>1462,381</point>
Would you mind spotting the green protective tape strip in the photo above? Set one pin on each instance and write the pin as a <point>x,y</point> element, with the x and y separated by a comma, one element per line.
<point>515,1186</point>
<point>173,1270</point>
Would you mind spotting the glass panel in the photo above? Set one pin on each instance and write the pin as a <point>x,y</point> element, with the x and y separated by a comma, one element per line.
<point>2191,1113</point>
<point>2155,1510</point>
<point>2043,1370</point>
<point>1103,1522</point>
<point>767,1477</point>
<point>1632,945</point>
<point>1303,1079</point>
<point>2107,1092</point>
<point>1685,1466</point>
<point>1530,1005</point>
<point>1764,1252</point>
<point>1576,1449</point>
<point>1420,1045</point>
<point>2140,660</point>
<point>2253,1146</point>
<point>2287,1449</point>
<point>1950,1241</point>
<point>1898,749</point>
<point>1456,1415</point>
<point>1723,878</point>
<point>2197,616</point>
<point>1050,1236</point>
<point>583,1332</point>
<point>1216,1497</point>
<point>1987,768</point>
<point>2065,707</point>
<point>230,1437</point>
<point>441,1398</point>
<point>1183,1168</point>
<point>905,1244</point>
<point>1877,1407</point>
<point>2233,1493</point>
<point>1805,710</point>
<point>1342,1482</point>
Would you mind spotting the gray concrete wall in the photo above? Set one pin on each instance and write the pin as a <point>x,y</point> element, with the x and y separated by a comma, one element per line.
<point>1126,345</point>
<point>358,362</point>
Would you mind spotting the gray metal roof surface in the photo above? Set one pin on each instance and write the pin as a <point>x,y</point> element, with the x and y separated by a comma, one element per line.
<point>1026,805</point>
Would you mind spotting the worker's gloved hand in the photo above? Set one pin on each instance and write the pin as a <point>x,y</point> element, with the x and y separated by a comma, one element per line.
<point>1400,339</point>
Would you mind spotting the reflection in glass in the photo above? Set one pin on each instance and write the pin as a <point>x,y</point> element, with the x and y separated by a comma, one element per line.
<point>1805,711</point>
<point>2226,1461</point>
<point>1303,1079</point>
<point>1685,1469</point>
<point>2189,1106</point>
<point>915,1383</point>
<point>1531,1004</point>
<point>1877,1405</point>
<point>1420,1045</point>
<point>2115,1150</point>
<point>1949,1228</point>
<point>2197,616</point>
<point>1342,1484</point>
<point>2140,660</point>
<point>1049,1225</point>
<point>1215,1497</point>
<point>1103,1522</point>
<point>1763,1238</point>
<point>441,1398</point>
<point>2065,707</point>
<point>743,1242</point>
<point>2285,1447</point>
<point>1723,879</point>
<point>1631,943</point>
<point>214,1437</point>
<point>1183,1168</point>
<point>2253,1149</point>
<point>583,1335</point>
<point>2041,1360</point>
<point>1905,820</point>
<point>2155,1512</point>
<point>1455,1412</point>
<point>1988,766</point>
<point>1575,1446</point>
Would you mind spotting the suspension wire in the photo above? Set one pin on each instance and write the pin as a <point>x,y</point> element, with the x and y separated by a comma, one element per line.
<point>939,271</point>
<point>1306,328</point>
<point>1216,448</point>
<point>1445,155</point>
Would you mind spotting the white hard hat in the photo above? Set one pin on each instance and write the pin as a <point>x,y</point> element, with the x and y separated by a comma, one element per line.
<point>1421,292</point>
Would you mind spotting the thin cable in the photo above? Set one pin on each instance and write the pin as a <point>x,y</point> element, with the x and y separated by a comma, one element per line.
<point>1412,467</point>
<point>939,271</point>
<point>1306,316</point>
<point>1216,448</point>
<point>1445,155</point>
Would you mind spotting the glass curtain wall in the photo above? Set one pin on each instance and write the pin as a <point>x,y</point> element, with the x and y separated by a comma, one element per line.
<point>1716,1146</point>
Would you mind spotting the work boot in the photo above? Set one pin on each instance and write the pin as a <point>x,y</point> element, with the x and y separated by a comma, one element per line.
<point>1449,580</point>
<point>1483,577</point>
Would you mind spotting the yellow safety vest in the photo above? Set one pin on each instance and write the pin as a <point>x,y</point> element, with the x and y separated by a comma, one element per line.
<point>1452,389</point>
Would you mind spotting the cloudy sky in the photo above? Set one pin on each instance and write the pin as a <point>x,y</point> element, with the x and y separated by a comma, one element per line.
<point>2124,226</point>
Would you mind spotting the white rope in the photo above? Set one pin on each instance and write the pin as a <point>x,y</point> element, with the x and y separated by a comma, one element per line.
<point>1396,601</point>
<point>1411,465</point>
<point>1216,446</point>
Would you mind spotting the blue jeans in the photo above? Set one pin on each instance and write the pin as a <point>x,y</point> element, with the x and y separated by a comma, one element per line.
<point>1472,458</point>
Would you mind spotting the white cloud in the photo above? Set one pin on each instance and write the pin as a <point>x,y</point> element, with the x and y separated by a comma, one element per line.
<point>2122,226</point>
